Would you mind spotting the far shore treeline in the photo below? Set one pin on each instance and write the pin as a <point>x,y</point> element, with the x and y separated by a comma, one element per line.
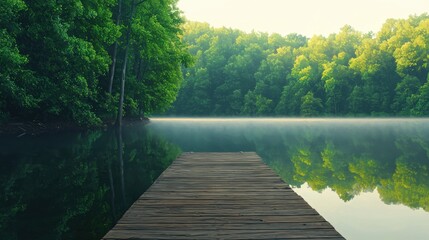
<point>344,74</point>
<point>86,61</point>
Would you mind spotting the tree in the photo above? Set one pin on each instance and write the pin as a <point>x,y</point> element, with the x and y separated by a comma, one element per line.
<point>349,72</point>
<point>376,68</point>
<point>422,101</point>
<point>115,49</point>
<point>158,56</point>
<point>405,95</point>
<point>358,101</point>
<point>56,59</point>
<point>125,61</point>
<point>338,79</point>
<point>310,105</point>
<point>17,84</point>
<point>66,47</point>
<point>273,73</point>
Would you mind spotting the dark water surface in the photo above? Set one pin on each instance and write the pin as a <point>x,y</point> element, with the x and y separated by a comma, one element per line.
<point>75,185</point>
<point>369,178</point>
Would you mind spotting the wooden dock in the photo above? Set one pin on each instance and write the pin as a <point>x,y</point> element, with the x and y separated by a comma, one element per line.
<point>221,196</point>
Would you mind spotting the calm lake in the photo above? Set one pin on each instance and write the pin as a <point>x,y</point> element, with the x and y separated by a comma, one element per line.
<point>368,177</point>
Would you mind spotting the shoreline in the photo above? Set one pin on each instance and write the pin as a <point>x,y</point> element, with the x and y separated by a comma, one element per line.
<point>32,128</point>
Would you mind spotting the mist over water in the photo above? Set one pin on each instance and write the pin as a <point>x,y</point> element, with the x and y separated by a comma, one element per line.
<point>247,134</point>
<point>342,167</point>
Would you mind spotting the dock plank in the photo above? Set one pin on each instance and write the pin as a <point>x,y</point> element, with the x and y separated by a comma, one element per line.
<point>221,196</point>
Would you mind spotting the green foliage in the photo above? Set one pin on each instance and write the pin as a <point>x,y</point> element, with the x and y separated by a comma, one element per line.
<point>157,54</point>
<point>55,58</point>
<point>18,88</point>
<point>422,101</point>
<point>66,46</point>
<point>310,106</point>
<point>348,73</point>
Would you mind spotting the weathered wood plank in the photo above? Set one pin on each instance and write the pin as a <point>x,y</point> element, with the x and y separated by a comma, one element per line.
<point>221,196</point>
<point>224,234</point>
<point>202,226</point>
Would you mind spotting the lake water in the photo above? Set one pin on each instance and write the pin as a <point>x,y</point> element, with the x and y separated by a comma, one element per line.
<point>368,177</point>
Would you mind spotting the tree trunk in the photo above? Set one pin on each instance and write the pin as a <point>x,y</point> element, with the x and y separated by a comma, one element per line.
<point>138,66</point>
<point>112,69</point>
<point>124,66</point>
<point>124,73</point>
<point>115,50</point>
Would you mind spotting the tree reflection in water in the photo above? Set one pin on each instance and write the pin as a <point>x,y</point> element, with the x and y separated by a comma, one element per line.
<point>65,186</point>
<point>76,185</point>
<point>349,156</point>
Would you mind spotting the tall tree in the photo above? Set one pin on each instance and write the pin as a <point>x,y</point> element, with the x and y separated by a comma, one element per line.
<point>115,48</point>
<point>66,45</point>
<point>125,61</point>
<point>17,84</point>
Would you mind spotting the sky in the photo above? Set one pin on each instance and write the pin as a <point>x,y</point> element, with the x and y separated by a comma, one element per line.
<point>306,17</point>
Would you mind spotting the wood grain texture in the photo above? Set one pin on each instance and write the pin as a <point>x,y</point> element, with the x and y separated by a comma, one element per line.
<point>221,196</point>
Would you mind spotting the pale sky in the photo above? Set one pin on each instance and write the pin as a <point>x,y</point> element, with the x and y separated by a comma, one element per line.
<point>306,17</point>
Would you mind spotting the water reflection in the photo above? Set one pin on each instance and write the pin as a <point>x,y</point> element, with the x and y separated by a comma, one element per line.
<point>348,156</point>
<point>75,185</point>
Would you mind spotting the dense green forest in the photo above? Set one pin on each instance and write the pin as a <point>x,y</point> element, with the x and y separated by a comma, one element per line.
<point>344,74</point>
<point>90,61</point>
<point>68,60</point>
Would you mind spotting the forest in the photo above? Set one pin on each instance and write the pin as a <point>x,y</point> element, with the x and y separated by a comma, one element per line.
<point>348,73</point>
<point>93,62</point>
<point>86,61</point>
